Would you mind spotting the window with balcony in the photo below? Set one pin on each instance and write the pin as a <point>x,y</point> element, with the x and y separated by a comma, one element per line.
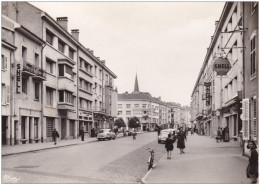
<point>128,112</point>
<point>4,63</point>
<point>65,71</point>
<point>128,105</point>
<point>49,96</point>
<point>136,105</point>
<point>253,54</point>
<point>49,66</point>
<point>65,96</point>
<point>36,91</point>
<point>61,46</point>
<point>24,84</point>
<point>71,53</point>
<point>24,54</point>
<point>5,94</point>
<point>49,37</point>
<point>36,60</point>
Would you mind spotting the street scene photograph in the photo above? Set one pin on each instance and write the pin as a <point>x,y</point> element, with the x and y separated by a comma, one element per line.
<point>129,92</point>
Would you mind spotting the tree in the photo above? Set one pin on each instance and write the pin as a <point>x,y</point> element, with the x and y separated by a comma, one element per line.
<point>134,122</point>
<point>119,123</point>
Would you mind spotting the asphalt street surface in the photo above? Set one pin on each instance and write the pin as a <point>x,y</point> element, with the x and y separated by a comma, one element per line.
<point>123,160</point>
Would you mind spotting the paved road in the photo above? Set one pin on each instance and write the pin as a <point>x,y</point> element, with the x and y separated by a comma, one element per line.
<point>117,161</point>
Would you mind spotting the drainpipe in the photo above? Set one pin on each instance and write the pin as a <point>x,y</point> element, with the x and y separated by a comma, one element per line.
<point>243,90</point>
<point>77,97</point>
<point>42,108</point>
<point>11,98</point>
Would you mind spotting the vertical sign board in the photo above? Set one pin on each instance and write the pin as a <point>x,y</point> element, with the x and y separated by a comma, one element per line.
<point>245,118</point>
<point>207,84</point>
<point>18,78</point>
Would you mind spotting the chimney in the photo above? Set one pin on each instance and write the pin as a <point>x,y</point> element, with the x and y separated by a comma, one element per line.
<point>63,21</point>
<point>91,51</point>
<point>103,62</point>
<point>216,24</point>
<point>75,34</point>
<point>98,58</point>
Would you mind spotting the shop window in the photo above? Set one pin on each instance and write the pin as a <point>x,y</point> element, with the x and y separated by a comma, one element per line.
<point>49,126</point>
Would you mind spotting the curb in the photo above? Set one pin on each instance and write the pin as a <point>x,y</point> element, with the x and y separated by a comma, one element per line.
<point>41,149</point>
<point>143,180</point>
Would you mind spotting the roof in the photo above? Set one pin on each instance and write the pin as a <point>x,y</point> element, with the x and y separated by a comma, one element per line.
<point>135,96</point>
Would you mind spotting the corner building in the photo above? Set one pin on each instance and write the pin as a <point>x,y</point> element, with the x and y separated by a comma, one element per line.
<point>57,79</point>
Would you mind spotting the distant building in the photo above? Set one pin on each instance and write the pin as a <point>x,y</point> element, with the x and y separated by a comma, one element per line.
<point>151,111</point>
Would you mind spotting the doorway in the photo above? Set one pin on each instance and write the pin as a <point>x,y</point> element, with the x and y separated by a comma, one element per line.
<point>4,130</point>
<point>63,128</point>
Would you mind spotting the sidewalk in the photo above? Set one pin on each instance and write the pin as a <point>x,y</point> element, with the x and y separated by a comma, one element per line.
<point>204,161</point>
<point>24,148</point>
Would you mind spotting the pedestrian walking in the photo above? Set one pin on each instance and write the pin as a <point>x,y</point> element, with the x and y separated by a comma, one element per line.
<point>218,135</point>
<point>55,134</point>
<point>252,168</point>
<point>169,145</point>
<point>81,133</point>
<point>226,134</point>
<point>134,135</point>
<point>192,132</point>
<point>181,138</point>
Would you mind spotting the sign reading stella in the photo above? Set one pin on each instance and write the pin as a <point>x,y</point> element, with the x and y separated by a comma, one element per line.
<point>207,85</point>
<point>221,66</point>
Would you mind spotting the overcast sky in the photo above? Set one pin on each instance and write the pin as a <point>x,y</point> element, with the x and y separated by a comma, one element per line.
<point>164,42</point>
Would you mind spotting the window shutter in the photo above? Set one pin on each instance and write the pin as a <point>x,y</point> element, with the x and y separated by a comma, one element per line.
<point>5,63</point>
<point>8,94</point>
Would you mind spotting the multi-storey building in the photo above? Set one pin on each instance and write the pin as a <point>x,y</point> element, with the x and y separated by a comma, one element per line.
<point>150,111</point>
<point>251,75</point>
<point>216,98</point>
<point>57,82</point>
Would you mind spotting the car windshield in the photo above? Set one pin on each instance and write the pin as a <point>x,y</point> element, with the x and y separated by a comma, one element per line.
<point>103,131</point>
<point>164,133</point>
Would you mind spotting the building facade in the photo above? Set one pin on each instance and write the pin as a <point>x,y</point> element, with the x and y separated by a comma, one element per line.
<point>56,81</point>
<point>216,100</point>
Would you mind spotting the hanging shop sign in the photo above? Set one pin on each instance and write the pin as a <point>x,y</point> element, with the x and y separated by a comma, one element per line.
<point>207,85</point>
<point>18,78</point>
<point>221,66</point>
<point>245,118</point>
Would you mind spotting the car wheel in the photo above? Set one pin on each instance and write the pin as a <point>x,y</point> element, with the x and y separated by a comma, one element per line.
<point>99,139</point>
<point>108,138</point>
<point>114,137</point>
<point>159,141</point>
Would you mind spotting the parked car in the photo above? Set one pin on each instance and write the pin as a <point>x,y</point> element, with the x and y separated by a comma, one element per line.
<point>129,132</point>
<point>106,134</point>
<point>164,135</point>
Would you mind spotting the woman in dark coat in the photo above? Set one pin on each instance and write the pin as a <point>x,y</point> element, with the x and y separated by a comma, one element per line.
<point>181,138</point>
<point>252,168</point>
<point>169,145</point>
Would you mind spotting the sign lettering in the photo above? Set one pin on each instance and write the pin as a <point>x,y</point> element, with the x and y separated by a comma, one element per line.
<point>18,78</point>
<point>245,118</point>
<point>221,66</point>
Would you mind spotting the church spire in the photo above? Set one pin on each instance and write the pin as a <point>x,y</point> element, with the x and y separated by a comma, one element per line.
<point>136,84</point>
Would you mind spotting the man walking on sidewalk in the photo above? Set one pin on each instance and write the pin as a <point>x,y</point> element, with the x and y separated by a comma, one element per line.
<point>81,133</point>
<point>55,134</point>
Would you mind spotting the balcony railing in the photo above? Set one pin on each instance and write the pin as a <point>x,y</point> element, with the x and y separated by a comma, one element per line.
<point>31,70</point>
<point>98,109</point>
<point>40,74</point>
<point>86,90</point>
<point>28,69</point>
